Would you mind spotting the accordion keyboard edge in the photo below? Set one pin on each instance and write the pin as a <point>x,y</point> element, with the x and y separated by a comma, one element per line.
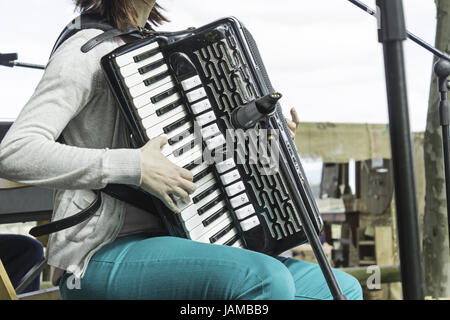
<point>186,86</point>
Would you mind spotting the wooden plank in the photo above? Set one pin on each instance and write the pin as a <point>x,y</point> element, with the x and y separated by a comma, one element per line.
<point>383,246</point>
<point>7,291</point>
<point>6,184</point>
<point>46,294</point>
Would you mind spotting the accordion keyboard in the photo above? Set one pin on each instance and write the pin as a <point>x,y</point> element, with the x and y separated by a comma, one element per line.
<point>161,111</point>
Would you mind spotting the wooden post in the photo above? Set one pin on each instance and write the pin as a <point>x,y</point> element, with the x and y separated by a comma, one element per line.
<point>7,291</point>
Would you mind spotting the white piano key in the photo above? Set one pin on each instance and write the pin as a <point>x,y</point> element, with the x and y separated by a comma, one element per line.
<point>234,189</point>
<point>169,149</point>
<point>128,58</point>
<point>141,88</point>
<point>201,106</point>
<point>178,131</point>
<point>250,223</point>
<point>156,130</point>
<point>206,118</point>
<point>145,99</point>
<point>227,237</point>
<point>191,83</point>
<point>215,142</point>
<point>239,200</point>
<point>199,168</point>
<point>150,108</point>
<point>193,156</point>
<point>201,185</point>
<point>134,67</point>
<point>196,220</point>
<point>225,165</point>
<point>138,78</point>
<point>185,158</point>
<point>188,213</point>
<point>245,212</point>
<point>203,234</point>
<point>154,119</point>
<point>238,244</point>
<point>230,177</point>
<point>210,131</point>
<point>196,94</point>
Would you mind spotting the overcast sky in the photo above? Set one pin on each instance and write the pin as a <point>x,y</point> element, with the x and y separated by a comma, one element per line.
<point>323,55</point>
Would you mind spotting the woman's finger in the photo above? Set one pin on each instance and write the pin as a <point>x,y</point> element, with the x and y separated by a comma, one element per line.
<point>187,185</point>
<point>179,192</point>
<point>186,174</point>
<point>291,125</point>
<point>168,201</point>
<point>294,116</point>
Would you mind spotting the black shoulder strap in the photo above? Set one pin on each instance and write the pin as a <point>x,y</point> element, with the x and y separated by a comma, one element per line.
<point>94,21</point>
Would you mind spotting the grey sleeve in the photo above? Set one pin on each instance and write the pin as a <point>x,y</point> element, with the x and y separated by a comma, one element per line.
<point>29,153</point>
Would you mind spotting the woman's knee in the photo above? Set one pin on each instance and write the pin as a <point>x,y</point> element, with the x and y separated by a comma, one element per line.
<point>350,285</point>
<point>273,280</point>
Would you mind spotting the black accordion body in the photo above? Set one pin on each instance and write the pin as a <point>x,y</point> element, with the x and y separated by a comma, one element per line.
<point>172,84</point>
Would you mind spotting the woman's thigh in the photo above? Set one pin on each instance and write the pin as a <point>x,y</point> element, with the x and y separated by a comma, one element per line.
<point>171,268</point>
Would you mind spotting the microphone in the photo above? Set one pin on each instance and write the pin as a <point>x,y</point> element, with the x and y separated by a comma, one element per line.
<point>6,59</point>
<point>248,115</point>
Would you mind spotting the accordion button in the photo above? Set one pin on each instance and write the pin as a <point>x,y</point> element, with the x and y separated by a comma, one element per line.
<point>196,95</point>
<point>225,165</point>
<point>245,212</point>
<point>204,119</point>
<point>210,131</point>
<point>191,83</point>
<point>201,106</point>
<point>234,189</point>
<point>215,142</point>
<point>230,177</point>
<point>239,200</point>
<point>250,223</point>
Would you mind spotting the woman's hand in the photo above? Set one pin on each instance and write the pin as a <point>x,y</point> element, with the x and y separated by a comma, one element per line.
<point>162,178</point>
<point>293,124</point>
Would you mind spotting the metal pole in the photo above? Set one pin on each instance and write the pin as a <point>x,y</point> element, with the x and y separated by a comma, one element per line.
<point>392,33</point>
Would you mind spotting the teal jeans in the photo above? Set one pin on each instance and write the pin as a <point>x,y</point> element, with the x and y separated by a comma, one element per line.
<point>138,267</point>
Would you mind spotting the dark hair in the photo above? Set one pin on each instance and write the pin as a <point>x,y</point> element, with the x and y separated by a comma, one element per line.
<point>119,12</point>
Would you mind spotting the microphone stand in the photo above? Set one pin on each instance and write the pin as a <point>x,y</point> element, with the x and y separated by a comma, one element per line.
<point>9,60</point>
<point>392,32</point>
<point>442,71</point>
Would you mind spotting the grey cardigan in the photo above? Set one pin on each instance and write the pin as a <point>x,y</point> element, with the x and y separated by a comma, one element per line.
<point>73,99</point>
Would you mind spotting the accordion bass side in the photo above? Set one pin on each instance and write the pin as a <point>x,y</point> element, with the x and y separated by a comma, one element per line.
<point>187,85</point>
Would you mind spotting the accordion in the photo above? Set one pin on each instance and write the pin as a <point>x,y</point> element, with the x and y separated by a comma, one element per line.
<point>188,85</point>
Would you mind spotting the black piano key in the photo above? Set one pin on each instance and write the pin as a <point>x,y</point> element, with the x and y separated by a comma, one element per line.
<point>176,124</point>
<point>145,55</point>
<point>180,137</point>
<point>202,174</point>
<point>180,151</point>
<point>210,204</point>
<point>214,216</point>
<point>194,164</point>
<point>163,95</point>
<point>155,79</point>
<point>168,108</point>
<point>221,233</point>
<point>151,66</point>
<point>205,193</point>
<point>232,241</point>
